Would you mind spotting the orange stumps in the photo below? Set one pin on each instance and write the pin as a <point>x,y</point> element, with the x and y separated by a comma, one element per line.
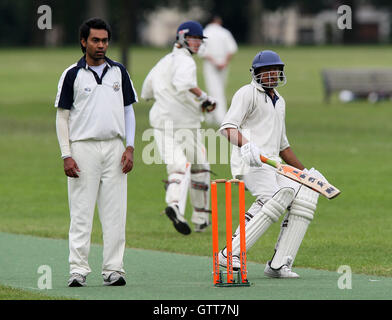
<point>241,192</point>
<point>229,233</point>
<point>233,277</point>
<point>215,241</point>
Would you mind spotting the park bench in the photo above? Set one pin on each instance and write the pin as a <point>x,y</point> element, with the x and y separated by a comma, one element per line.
<point>361,82</point>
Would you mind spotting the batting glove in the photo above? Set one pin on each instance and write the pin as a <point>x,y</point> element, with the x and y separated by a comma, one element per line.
<point>250,154</point>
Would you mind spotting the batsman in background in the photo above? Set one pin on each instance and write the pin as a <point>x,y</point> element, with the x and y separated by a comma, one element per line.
<point>255,124</point>
<point>94,117</point>
<point>180,104</point>
<point>217,52</point>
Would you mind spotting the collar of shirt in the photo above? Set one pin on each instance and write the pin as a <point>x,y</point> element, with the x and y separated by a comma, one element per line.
<point>257,86</point>
<point>83,64</point>
<point>261,89</point>
<point>181,50</point>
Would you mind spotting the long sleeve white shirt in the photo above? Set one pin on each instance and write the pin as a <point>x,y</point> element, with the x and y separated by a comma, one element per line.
<point>219,43</point>
<point>168,83</point>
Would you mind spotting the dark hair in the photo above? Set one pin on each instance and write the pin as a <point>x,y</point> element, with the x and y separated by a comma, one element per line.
<point>93,23</point>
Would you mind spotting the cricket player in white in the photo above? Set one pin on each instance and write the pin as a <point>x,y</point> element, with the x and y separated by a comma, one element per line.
<point>217,52</point>
<point>94,116</point>
<point>255,124</point>
<point>175,116</point>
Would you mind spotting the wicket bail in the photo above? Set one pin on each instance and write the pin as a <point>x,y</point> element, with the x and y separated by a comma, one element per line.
<point>241,279</point>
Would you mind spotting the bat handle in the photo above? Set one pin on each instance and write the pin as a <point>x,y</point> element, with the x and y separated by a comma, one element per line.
<point>268,161</point>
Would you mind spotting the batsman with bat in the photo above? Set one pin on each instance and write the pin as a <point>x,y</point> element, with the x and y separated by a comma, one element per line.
<point>255,125</point>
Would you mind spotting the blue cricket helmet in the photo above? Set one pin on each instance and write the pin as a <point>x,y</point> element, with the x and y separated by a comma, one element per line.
<point>267,58</point>
<point>190,28</point>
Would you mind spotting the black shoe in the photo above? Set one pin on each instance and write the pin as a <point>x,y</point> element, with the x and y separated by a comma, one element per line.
<point>178,222</point>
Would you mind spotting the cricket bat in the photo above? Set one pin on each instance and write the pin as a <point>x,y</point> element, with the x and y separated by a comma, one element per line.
<point>320,186</point>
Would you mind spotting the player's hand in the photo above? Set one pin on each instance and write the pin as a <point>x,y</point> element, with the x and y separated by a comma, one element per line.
<point>250,154</point>
<point>127,160</point>
<point>315,173</point>
<point>221,66</point>
<point>208,105</point>
<point>71,168</point>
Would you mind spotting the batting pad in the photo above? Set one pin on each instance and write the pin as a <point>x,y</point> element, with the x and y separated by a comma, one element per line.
<point>253,210</point>
<point>293,232</point>
<point>177,187</point>
<point>199,193</point>
<point>270,213</point>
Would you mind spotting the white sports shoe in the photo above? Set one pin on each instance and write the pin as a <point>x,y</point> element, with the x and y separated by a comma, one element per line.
<point>223,261</point>
<point>114,279</point>
<point>282,272</point>
<point>76,280</point>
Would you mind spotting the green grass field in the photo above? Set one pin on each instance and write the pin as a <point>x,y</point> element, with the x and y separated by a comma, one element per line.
<point>349,143</point>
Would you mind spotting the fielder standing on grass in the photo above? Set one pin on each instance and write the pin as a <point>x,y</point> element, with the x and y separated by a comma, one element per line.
<point>255,124</point>
<point>94,116</point>
<point>217,52</point>
<point>178,110</point>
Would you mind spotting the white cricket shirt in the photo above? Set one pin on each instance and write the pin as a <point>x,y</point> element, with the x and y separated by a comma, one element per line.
<point>96,103</point>
<point>168,83</point>
<point>254,114</point>
<point>219,43</point>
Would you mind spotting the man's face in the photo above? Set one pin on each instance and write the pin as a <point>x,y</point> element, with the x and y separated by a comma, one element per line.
<point>268,75</point>
<point>96,44</point>
<point>194,43</point>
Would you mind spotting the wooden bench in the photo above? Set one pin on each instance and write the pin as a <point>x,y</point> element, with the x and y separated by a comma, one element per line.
<point>359,81</point>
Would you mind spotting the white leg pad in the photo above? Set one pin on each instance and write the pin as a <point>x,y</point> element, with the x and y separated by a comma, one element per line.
<point>199,193</point>
<point>253,210</point>
<point>270,213</point>
<point>294,228</point>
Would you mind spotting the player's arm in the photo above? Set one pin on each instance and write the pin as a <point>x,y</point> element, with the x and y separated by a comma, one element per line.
<point>234,136</point>
<point>223,65</point>
<point>207,103</point>
<point>62,129</point>
<point>130,126</point>
<point>250,152</point>
<point>210,59</point>
<point>290,158</point>
<point>147,88</point>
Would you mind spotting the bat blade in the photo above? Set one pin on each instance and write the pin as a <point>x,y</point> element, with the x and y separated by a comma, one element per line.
<point>318,185</point>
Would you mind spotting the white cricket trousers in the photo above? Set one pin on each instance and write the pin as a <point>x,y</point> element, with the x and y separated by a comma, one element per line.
<point>215,81</point>
<point>100,182</point>
<point>177,147</point>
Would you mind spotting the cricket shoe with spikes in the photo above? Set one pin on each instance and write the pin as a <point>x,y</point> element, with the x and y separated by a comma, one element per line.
<point>114,279</point>
<point>173,213</point>
<point>283,272</point>
<point>76,280</point>
<point>223,260</point>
